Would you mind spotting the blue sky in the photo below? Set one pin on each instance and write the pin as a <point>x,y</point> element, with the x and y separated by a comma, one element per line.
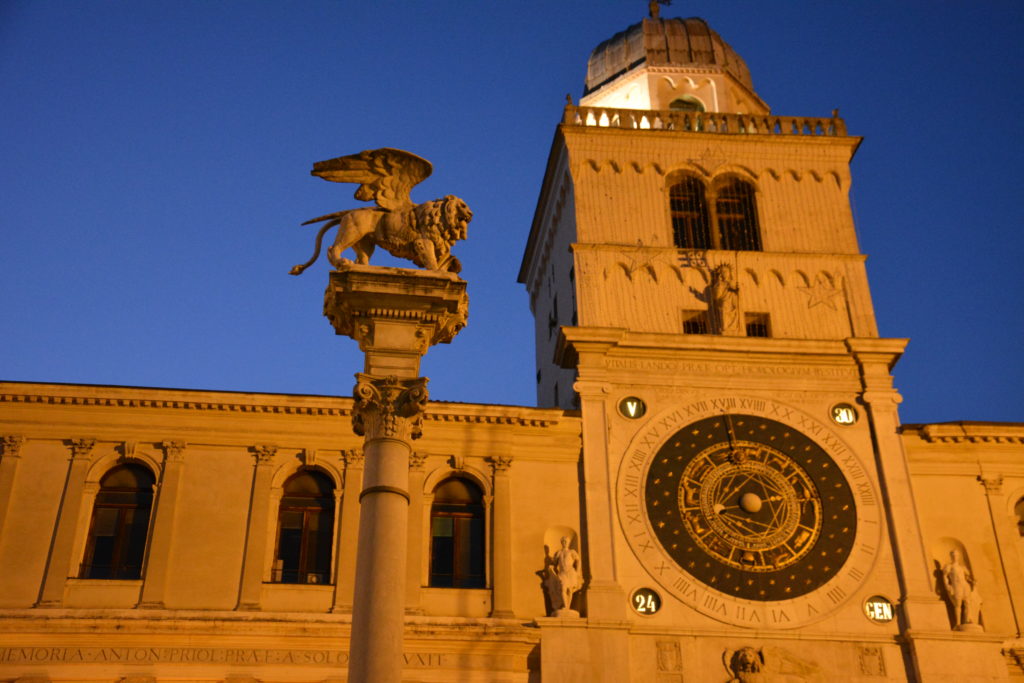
<point>156,162</point>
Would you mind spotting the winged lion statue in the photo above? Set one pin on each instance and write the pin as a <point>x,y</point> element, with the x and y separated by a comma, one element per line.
<point>423,233</point>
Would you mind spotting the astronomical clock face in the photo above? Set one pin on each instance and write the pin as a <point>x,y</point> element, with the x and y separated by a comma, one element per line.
<point>760,517</point>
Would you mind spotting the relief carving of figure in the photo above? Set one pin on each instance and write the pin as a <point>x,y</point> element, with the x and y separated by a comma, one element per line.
<point>768,665</point>
<point>565,578</point>
<point>745,665</point>
<point>961,592</point>
<point>423,233</point>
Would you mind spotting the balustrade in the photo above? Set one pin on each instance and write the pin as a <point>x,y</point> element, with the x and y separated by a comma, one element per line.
<point>703,122</point>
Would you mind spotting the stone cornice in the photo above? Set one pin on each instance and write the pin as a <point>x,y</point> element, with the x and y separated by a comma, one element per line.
<point>968,432</point>
<point>283,404</point>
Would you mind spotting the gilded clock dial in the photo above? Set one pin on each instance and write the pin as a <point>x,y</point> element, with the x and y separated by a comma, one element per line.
<point>751,507</point>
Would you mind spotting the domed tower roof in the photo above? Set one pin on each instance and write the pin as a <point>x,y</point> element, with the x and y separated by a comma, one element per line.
<point>664,42</point>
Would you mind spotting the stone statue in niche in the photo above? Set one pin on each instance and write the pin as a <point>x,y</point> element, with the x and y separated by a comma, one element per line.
<point>564,578</point>
<point>423,233</point>
<point>961,593</point>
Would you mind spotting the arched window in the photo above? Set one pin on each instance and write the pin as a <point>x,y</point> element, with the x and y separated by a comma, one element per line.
<point>457,535</point>
<point>1018,509</point>
<point>733,212</point>
<point>689,214</point>
<point>120,522</point>
<point>686,103</point>
<point>305,529</point>
<point>737,216</point>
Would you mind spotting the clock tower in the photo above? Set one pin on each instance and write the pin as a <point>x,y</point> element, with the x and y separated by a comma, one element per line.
<point>700,296</point>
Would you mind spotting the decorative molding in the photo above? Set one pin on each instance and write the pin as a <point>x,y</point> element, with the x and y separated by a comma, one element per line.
<point>81,448</point>
<point>309,457</point>
<point>174,451</point>
<point>958,432</point>
<point>993,485</point>
<point>457,462</point>
<point>108,401</point>
<point>388,407</point>
<point>128,449</point>
<point>10,445</point>
<point>353,457</point>
<point>417,460</point>
<point>264,453</point>
<point>331,411</point>
<point>500,463</point>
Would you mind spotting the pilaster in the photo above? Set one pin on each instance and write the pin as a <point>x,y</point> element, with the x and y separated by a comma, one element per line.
<point>413,582</point>
<point>501,545</point>
<point>348,532</point>
<point>605,599</point>
<point>158,555</point>
<point>68,520</point>
<point>10,456</point>
<point>249,594</point>
<point>1007,540</point>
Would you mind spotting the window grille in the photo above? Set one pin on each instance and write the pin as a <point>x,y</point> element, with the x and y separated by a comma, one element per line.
<point>734,215</point>
<point>737,217</point>
<point>758,325</point>
<point>689,214</point>
<point>696,322</point>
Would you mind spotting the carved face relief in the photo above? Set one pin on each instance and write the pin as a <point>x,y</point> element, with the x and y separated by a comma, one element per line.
<point>744,516</point>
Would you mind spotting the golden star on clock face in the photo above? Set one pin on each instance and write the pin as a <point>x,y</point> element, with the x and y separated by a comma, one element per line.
<point>767,514</point>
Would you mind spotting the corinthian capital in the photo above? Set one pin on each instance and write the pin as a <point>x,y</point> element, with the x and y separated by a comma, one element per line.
<point>81,448</point>
<point>10,445</point>
<point>388,407</point>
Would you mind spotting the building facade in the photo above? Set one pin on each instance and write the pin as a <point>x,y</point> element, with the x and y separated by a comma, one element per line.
<point>717,486</point>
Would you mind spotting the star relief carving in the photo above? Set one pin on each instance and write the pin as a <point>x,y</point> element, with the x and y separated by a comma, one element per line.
<point>640,258</point>
<point>709,159</point>
<point>821,293</point>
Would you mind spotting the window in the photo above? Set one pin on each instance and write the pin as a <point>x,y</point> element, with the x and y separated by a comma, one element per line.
<point>120,523</point>
<point>686,103</point>
<point>689,214</point>
<point>757,325</point>
<point>305,529</point>
<point>1019,510</point>
<point>696,322</point>
<point>734,214</point>
<point>737,217</point>
<point>457,535</point>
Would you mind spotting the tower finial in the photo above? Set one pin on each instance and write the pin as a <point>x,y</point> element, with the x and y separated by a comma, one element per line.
<point>654,7</point>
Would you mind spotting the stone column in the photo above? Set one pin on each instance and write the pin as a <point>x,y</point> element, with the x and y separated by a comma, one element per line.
<point>68,521</point>
<point>162,533</point>
<point>251,589</point>
<point>10,455</point>
<point>396,315</point>
<point>501,540</point>
<point>388,412</point>
<point>1007,539</point>
<point>348,533</point>
<point>414,571</point>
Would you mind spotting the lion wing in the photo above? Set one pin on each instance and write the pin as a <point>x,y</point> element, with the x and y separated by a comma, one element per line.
<point>388,174</point>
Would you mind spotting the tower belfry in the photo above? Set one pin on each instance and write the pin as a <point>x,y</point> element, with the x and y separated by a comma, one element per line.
<point>700,295</point>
